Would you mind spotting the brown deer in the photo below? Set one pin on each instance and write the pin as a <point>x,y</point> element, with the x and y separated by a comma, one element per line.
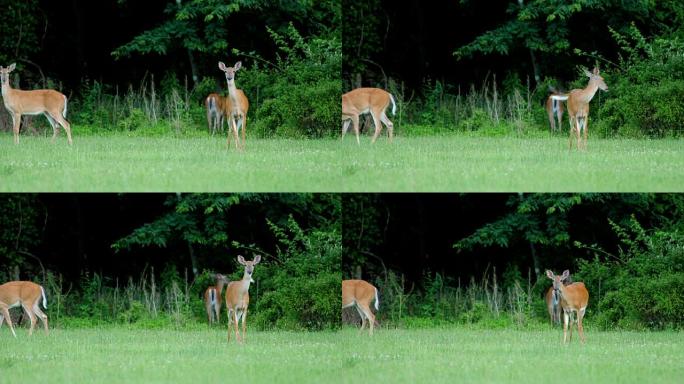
<point>359,294</point>
<point>573,298</point>
<point>26,294</point>
<point>578,107</point>
<point>365,100</point>
<point>48,102</point>
<point>212,298</point>
<point>237,298</point>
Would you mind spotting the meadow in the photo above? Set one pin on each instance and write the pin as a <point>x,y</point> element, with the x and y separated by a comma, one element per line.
<point>120,355</point>
<point>417,164</point>
<point>512,356</point>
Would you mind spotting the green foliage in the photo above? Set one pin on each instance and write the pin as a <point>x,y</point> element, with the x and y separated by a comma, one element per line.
<point>20,24</point>
<point>20,221</point>
<point>643,86</point>
<point>300,90</point>
<point>640,287</point>
<point>302,290</point>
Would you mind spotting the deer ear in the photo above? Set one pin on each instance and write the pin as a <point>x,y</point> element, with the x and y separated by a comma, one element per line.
<point>222,66</point>
<point>257,259</point>
<point>11,67</point>
<point>241,259</point>
<point>237,65</point>
<point>596,71</point>
<point>549,274</point>
<point>565,275</point>
<point>587,73</point>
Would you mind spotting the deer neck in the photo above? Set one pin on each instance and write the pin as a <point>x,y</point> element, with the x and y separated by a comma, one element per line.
<point>244,283</point>
<point>232,90</point>
<point>6,88</point>
<point>589,92</point>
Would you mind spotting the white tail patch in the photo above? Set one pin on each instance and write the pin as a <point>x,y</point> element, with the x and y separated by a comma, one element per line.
<point>64,113</point>
<point>559,97</point>
<point>394,105</point>
<point>377,298</point>
<point>212,296</point>
<point>42,291</point>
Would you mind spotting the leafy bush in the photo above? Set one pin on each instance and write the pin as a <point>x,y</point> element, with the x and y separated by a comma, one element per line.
<point>641,286</point>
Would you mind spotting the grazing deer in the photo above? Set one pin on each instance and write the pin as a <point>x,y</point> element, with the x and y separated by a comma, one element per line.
<point>359,293</point>
<point>573,298</point>
<point>49,102</point>
<point>216,111</point>
<point>212,298</point>
<point>578,106</point>
<point>554,110</point>
<point>237,104</point>
<point>364,100</point>
<point>237,298</point>
<point>28,295</point>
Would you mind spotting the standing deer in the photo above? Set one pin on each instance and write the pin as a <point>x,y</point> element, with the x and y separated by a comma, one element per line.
<point>216,111</point>
<point>28,295</point>
<point>49,102</point>
<point>212,298</point>
<point>573,298</point>
<point>554,110</point>
<point>237,105</point>
<point>360,293</point>
<point>578,106</point>
<point>364,100</point>
<point>237,298</point>
<point>553,302</point>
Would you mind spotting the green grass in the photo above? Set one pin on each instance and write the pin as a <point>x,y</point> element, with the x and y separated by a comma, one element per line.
<point>164,356</point>
<point>118,355</point>
<point>450,163</point>
<point>509,356</point>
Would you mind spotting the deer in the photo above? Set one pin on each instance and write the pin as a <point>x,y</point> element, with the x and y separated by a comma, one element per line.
<point>553,303</point>
<point>51,103</point>
<point>237,105</point>
<point>554,110</point>
<point>367,100</point>
<point>359,294</point>
<point>216,111</point>
<point>212,298</point>
<point>26,294</point>
<point>578,107</point>
<point>573,298</point>
<point>237,298</point>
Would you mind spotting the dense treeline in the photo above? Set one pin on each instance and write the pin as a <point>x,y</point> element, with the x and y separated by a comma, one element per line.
<point>487,66</point>
<point>147,67</point>
<point>481,258</point>
<point>147,259</point>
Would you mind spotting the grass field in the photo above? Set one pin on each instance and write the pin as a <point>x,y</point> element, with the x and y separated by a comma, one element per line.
<point>392,356</point>
<point>451,163</point>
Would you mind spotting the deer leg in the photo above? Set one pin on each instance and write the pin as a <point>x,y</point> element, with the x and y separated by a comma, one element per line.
<point>355,123</point>
<point>54,126</point>
<point>5,312</point>
<point>229,313</point>
<point>16,122</point>
<point>42,316</point>
<point>378,126</point>
<point>586,131</point>
<point>552,121</point>
<point>65,124</point>
<point>363,317</point>
<point>235,133</point>
<point>243,126</point>
<point>235,324</point>
<point>31,316</point>
<point>217,310</point>
<point>565,326</point>
<point>580,326</point>
<point>559,115</point>
<point>345,127</point>
<point>369,315</point>
<point>244,324</point>
<point>388,123</point>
